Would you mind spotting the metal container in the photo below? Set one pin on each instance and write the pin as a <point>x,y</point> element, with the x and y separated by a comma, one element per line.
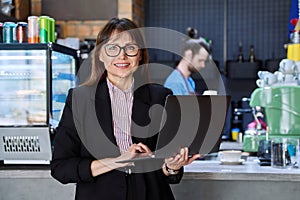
<point>33,29</point>
<point>9,32</point>
<point>1,32</point>
<point>51,32</point>
<point>21,32</point>
<point>44,29</point>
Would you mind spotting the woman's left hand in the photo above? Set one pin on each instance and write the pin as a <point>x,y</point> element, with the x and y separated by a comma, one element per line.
<point>181,159</point>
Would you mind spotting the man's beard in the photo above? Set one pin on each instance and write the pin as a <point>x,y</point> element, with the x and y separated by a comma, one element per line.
<point>193,69</point>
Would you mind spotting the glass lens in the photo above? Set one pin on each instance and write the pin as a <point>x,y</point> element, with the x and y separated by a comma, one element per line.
<point>131,49</point>
<point>114,49</point>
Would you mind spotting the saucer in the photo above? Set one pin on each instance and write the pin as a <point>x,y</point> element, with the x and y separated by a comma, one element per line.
<point>226,162</point>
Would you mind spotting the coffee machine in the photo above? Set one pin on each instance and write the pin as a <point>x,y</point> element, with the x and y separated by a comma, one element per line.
<point>282,113</point>
<point>282,109</point>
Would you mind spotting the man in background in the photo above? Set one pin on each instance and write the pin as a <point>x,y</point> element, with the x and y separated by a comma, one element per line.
<point>195,54</point>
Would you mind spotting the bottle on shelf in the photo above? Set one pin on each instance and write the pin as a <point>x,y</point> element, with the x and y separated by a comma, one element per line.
<point>252,55</point>
<point>240,55</point>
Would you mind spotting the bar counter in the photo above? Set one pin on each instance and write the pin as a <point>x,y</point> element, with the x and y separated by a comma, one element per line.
<point>246,171</point>
<point>246,181</point>
<point>202,180</point>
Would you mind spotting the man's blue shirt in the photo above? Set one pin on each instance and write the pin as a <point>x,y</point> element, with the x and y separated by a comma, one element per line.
<point>180,85</point>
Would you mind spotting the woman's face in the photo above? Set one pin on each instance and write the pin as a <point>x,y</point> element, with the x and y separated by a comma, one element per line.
<point>120,63</point>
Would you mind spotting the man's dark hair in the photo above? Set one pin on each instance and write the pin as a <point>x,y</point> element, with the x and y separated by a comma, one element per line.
<point>195,45</point>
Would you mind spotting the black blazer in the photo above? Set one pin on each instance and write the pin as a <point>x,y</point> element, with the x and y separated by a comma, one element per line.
<point>74,149</point>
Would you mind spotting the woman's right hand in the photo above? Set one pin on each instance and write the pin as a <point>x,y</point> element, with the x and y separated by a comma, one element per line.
<point>133,151</point>
<point>107,164</point>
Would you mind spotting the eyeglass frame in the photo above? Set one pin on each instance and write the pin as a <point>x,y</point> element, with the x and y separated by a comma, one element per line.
<point>121,48</point>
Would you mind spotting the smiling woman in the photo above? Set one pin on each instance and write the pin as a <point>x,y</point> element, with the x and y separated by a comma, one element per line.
<point>120,65</point>
<point>109,48</point>
<point>103,123</point>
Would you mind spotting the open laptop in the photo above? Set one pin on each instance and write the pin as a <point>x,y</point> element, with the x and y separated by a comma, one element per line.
<point>191,121</point>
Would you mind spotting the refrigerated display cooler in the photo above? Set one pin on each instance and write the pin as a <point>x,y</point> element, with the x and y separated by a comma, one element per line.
<point>34,81</point>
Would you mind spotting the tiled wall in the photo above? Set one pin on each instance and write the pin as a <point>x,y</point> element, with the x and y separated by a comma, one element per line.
<point>132,9</point>
<point>263,24</point>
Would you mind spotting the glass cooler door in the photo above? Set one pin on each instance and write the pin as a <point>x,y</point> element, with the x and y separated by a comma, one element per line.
<point>63,78</point>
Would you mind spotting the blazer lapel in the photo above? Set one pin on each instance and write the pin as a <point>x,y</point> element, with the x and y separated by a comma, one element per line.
<point>103,110</point>
<point>143,127</point>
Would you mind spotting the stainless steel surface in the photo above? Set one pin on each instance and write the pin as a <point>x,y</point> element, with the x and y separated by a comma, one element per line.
<point>21,144</point>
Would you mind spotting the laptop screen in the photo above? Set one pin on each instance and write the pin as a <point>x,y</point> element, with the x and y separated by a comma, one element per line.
<point>192,121</point>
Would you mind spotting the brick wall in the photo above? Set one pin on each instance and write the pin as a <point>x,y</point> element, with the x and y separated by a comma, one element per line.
<point>138,11</point>
<point>132,9</point>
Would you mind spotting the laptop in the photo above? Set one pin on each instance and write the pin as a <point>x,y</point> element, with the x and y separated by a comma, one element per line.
<point>193,121</point>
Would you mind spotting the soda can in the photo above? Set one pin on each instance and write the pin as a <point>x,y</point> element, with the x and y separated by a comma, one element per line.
<point>21,32</point>
<point>44,28</point>
<point>1,32</point>
<point>9,32</point>
<point>33,29</point>
<point>51,33</point>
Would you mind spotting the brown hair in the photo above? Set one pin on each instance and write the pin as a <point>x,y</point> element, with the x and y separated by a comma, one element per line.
<point>119,25</point>
<point>195,45</point>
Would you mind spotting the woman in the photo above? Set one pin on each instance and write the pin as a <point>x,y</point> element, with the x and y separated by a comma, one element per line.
<point>101,125</point>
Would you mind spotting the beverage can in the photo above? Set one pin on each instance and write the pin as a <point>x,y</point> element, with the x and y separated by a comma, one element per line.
<point>44,29</point>
<point>235,133</point>
<point>1,32</point>
<point>21,32</point>
<point>9,32</point>
<point>33,29</point>
<point>51,33</point>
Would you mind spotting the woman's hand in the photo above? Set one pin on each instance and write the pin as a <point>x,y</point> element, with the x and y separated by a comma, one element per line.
<point>133,151</point>
<point>179,160</point>
<point>107,164</point>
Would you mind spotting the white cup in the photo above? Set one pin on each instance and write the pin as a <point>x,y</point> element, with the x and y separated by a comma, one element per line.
<point>289,78</point>
<point>280,76</point>
<point>287,66</point>
<point>262,74</point>
<point>210,92</point>
<point>230,155</point>
<point>260,83</point>
<point>268,77</point>
<point>298,66</point>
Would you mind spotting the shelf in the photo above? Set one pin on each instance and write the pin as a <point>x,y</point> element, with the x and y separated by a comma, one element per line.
<point>243,70</point>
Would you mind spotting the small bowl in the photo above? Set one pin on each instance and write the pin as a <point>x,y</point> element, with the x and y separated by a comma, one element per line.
<point>230,155</point>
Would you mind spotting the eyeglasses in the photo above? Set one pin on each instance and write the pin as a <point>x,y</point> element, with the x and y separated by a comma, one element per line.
<point>114,50</point>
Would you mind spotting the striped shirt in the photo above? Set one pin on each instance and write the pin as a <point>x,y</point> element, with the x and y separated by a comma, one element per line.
<point>121,105</point>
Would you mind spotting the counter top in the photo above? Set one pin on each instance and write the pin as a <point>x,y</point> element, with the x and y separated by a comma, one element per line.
<point>248,170</point>
<point>199,169</point>
<point>24,171</point>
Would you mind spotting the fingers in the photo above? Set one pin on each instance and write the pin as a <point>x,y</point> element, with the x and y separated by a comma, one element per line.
<point>181,159</point>
<point>139,148</point>
<point>143,148</point>
<point>178,160</point>
<point>194,157</point>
